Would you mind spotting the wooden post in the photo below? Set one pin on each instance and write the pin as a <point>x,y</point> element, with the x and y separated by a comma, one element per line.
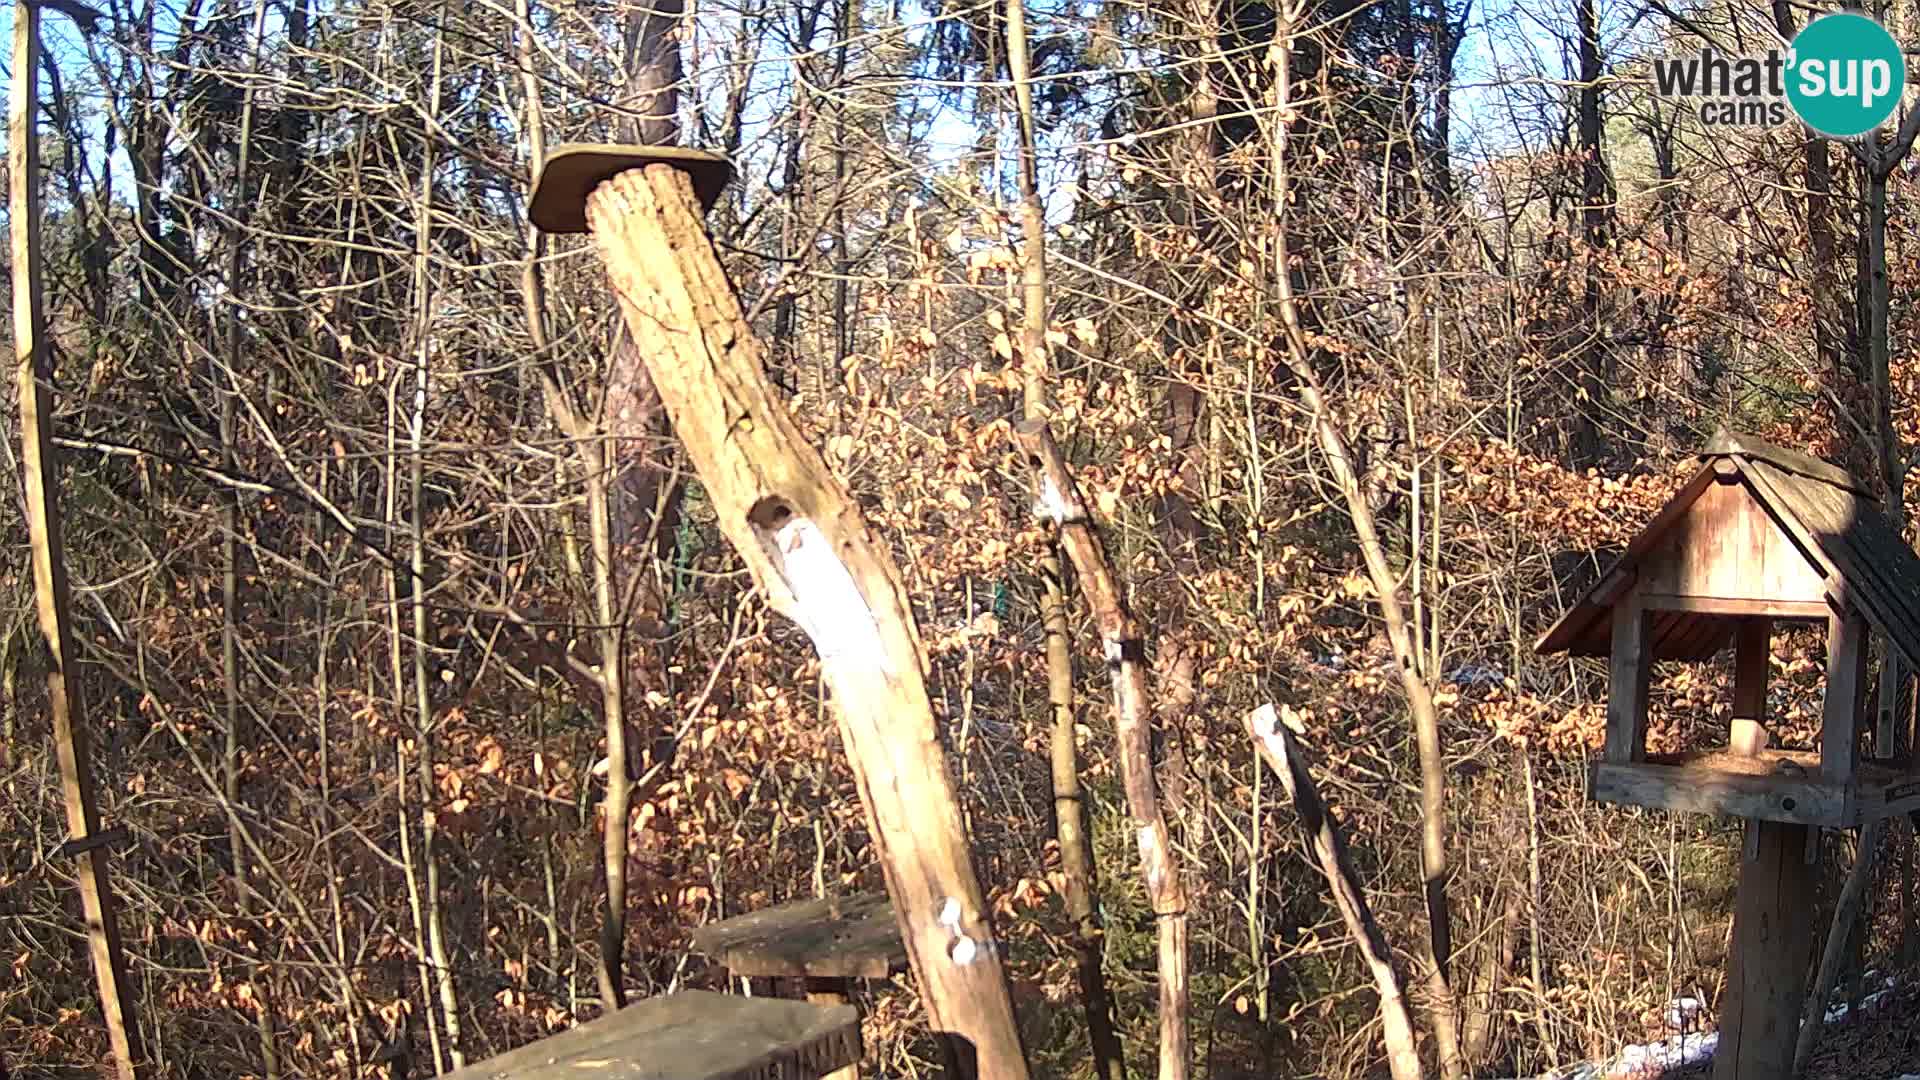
<point>809,549</point>
<point>1846,683</point>
<point>1631,667</point>
<point>1058,496</point>
<point>1752,656</point>
<point>33,372</point>
<point>833,991</point>
<point>1766,973</point>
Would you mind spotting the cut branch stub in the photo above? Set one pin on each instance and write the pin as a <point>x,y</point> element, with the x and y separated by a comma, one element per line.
<point>809,549</point>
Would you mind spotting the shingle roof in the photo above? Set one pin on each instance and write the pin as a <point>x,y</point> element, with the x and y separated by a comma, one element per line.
<point>1829,515</point>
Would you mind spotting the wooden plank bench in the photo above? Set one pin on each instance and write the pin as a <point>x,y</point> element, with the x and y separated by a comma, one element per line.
<point>692,1035</point>
<point>827,943</point>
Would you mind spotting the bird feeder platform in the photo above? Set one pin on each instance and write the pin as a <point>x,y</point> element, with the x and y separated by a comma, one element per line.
<point>693,1035</point>
<point>1759,537</point>
<point>852,937</point>
<point>828,943</point>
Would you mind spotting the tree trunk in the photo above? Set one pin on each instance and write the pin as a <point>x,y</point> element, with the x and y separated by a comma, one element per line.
<point>53,598</point>
<point>1069,806</point>
<point>809,549</point>
<point>1125,649</point>
<point>1275,744</point>
<point>1386,584</point>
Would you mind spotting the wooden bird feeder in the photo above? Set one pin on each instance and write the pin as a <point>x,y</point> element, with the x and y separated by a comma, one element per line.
<point>694,1035</point>
<point>1760,536</point>
<point>827,943</point>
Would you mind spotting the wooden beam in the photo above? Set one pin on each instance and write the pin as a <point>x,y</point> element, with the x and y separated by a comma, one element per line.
<point>1741,606</point>
<point>809,548</point>
<point>1751,659</point>
<point>1766,971</point>
<point>1629,670</point>
<point>1805,800</point>
<point>33,374</point>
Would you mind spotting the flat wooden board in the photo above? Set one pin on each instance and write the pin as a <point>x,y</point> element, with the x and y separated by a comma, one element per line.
<point>1703,789</point>
<point>693,1035</point>
<point>847,937</point>
<point>572,170</point>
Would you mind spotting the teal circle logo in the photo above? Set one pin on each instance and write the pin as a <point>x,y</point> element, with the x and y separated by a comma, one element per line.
<point>1845,75</point>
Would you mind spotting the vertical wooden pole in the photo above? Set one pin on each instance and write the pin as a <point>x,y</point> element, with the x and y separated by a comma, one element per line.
<point>1846,683</point>
<point>33,371</point>
<point>809,548</point>
<point>1766,974</point>
<point>1631,668</point>
<point>1752,644</point>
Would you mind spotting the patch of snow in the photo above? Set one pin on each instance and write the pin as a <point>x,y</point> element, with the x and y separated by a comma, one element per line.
<point>1685,1014</point>
<point>1476,675</point>
<point>1653,1059</point>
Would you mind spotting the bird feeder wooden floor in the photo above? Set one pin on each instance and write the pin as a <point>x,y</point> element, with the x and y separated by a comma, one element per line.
<point>1759,537</point>
<point>694,1035</point>
<point>827,943</point>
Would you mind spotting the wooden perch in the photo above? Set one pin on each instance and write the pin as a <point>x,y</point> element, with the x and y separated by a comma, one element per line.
<point>1058,497</point>
<point>1275,743</point>
<point>809,548</point>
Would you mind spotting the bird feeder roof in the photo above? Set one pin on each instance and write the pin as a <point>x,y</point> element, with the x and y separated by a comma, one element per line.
<point>1829,519</point>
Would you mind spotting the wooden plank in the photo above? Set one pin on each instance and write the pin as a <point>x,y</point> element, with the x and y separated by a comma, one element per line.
<point>1845,694</point>
<point>1876,801</point>
<point>1577,627</point>
<point>1751,660</point>
<point>693,1035</point>
<point>1630,667</point>
<point>53,597</point>
<point>1728,546</point>
<point>809,548</point>
<point>851,937</point>
<point>1739,606</point>
<point>1747,446</point>
<point>1766,972</point>
<point>1803,800</point>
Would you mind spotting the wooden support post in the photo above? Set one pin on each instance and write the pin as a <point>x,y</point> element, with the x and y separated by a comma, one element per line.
<point>1751,659</point>
<point>1631,668</point>
<point>1766,973</point>
<point>33,373</point>
<point>809,549</point>
<point>1846,683</point>
<point>833,991</point>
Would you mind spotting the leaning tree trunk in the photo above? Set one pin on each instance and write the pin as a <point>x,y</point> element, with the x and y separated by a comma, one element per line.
<point>1275,744</point>
<point>810,550</point>
<point>1125,647</point>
